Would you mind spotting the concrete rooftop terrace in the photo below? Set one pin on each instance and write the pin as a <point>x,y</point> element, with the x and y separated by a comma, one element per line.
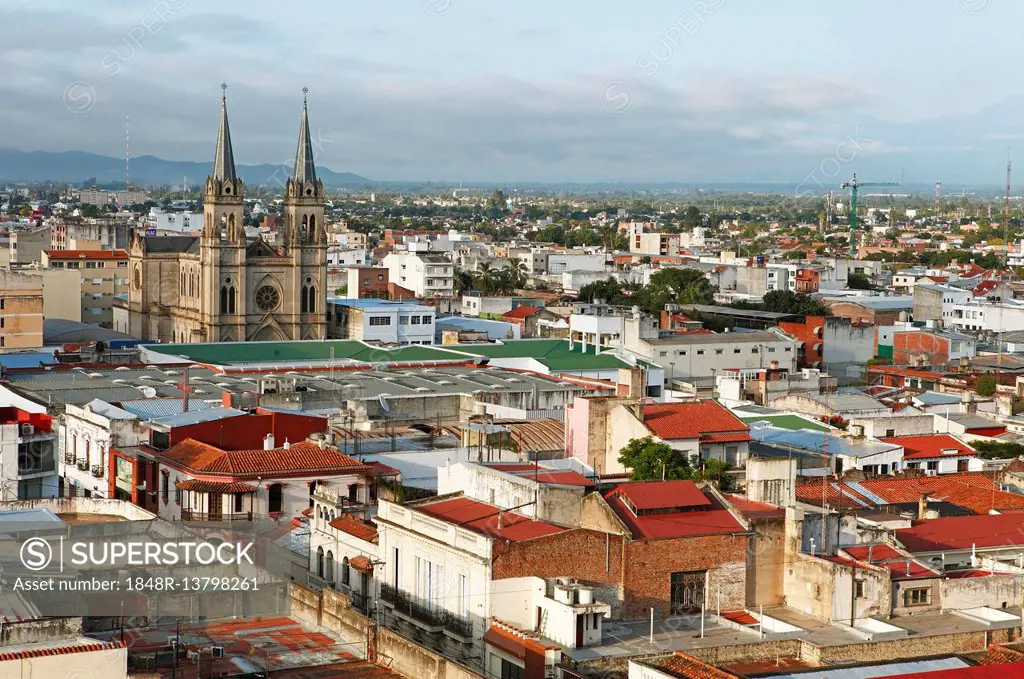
<point>554,354</point>
<point>78,386</point>
<point>683,633</point>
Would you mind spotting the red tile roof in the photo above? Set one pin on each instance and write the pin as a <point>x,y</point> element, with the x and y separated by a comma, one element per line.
<point>484,519</point>
<point>961,532</point>
<point>930,446</point>
<point>687,667</point>
<point>1000,654</point>
<point>87,254</point>
<point>361,563</point>
<point>58,648</point>
<point>521,312</point>
<point>356,527</point>
<point>694,420</point>
<point>663,494</point>
<point>711,519</point>
<point>973,491</point>
<point>299,459</point>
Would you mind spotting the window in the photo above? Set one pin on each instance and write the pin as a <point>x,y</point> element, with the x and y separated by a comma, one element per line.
<point>122,265</point>
<point>890,432</point>
<point>754,350</point>
<point>403,320</point>
<point>771,350</point>
<point>415,320</point>
<point>426,320</point>
<point>789,348</point>
<point>380,320</point>
<point>90,265</point>
<point>344,571</point>
<point>700,352</point>
<point>275,499</point>
<point>238,502</point>
<point>395,561</point>
<point>177,496</point>
<point>858,589</point>
<point>718,352</point>
<point>510,671</point>
<point>735,351</point>
<point>165,486</point>
<point>919,596</point>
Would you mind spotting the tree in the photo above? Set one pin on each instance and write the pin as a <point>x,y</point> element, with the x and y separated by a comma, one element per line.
<point>859,281</point>
<point>788,302</point>
<point>795,254</point>
<point>651,461</point>
<point>675,286</point>
<point>484,279</point>
<point>985,386</point>
<point>609,290</point>
<point>999,450</point>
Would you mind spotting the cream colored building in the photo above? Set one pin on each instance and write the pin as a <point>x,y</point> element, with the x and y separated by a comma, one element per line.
<point>21,310</point>
<point>221,287</point>
<point>103,275</point>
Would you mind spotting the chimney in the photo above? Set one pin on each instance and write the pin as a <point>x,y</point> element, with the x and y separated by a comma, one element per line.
<point>287,445</point>
<point>501,520</point>
<point>268,442</point>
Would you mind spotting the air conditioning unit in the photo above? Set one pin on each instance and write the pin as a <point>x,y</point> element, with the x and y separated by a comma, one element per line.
<point>193,657</point>
<point>218,651</point>
<point>172,642</point>
<point>27,430</point>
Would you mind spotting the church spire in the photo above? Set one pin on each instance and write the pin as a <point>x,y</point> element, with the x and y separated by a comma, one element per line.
<point>305,171</point>
<point>224,157</point>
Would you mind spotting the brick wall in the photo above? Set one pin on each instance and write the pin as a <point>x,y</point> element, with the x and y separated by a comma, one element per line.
<point>584,554</point>
<point>650,564</point>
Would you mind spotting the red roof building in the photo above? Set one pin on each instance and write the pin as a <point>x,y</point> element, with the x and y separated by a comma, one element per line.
<point>705,429</point>
<point>974,492</point>
<point>964,533</point>
<point>940,453</point>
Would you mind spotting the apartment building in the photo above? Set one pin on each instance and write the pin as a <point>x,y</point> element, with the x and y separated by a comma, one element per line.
<point>377,320</point>
<point>27,245</point>
<point>21,310</point>
<point>428,275</point>
<point>667,244</point>
<point>104,275</point>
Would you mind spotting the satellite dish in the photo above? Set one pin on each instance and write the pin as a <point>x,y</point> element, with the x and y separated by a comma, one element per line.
<point>384,404</point>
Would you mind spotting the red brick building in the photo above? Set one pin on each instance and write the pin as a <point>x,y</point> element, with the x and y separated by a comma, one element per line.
<point>807,281</point>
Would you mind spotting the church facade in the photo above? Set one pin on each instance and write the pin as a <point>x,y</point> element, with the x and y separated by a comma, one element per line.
<point>223,287</point>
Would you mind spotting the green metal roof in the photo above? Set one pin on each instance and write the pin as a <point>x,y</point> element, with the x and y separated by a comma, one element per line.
<point>553,353</point>
<point>787,422</point>
<point>228,353</point>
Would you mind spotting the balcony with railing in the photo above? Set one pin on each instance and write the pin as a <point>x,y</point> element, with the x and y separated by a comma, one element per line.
<point>435,620</point>
<point>189,515</point>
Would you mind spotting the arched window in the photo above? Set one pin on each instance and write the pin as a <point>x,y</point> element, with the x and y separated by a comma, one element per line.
<point>344,571</point>
<point>312,228</point>
<point>305,227</point>
<point>329,567</point>
<point>320,561</point>
<point>224,299</point>
<point>182,288</point>
<point>275,499</point>
<point>231,300</point>
<point>311,303</point>
<point>231,225</point>
<point>305,299</point>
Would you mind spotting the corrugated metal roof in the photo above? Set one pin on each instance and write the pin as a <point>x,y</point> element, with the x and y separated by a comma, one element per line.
<point>197,416</point>
<point>154,408</point>
<point>108,410</point>
<point>820,442</point>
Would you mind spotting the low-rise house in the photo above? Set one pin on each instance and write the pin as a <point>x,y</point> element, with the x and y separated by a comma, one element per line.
<point>383,321</point>
<point>343,547</point>
<point>937,454</point>
<point>536,322</point>
<point>597,429</point>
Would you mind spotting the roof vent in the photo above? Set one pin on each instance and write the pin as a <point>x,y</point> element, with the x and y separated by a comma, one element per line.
<point>95,374</point>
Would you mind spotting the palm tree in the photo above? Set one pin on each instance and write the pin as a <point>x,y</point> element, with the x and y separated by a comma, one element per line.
<point>518,273</point>
<point>485,277</point>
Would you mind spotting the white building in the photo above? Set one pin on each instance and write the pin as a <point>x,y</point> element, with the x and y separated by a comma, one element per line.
<point>343,547</point>
<point>561,262</point>
<point>342,256</point>
<point>88,433</point>
<point>378,320</point>
<point>428,275</point>
<point>160,223</point>
<point>1008,316</point>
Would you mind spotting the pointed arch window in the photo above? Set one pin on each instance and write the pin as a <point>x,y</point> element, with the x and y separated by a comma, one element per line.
<point>305,227</point>
<point>311,303</point>
<point>231,299</point>
<point>224,299</point>
<point>312,228</point>
<point>231,224</point>
<point>305,300</point>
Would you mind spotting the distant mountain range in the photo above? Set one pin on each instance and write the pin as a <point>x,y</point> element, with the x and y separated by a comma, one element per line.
<point>76,167</point>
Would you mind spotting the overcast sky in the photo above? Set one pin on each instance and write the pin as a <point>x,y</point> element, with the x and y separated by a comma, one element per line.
<point>530,90</point>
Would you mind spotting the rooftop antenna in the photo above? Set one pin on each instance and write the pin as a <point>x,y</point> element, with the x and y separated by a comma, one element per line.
<point>127,156</point>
